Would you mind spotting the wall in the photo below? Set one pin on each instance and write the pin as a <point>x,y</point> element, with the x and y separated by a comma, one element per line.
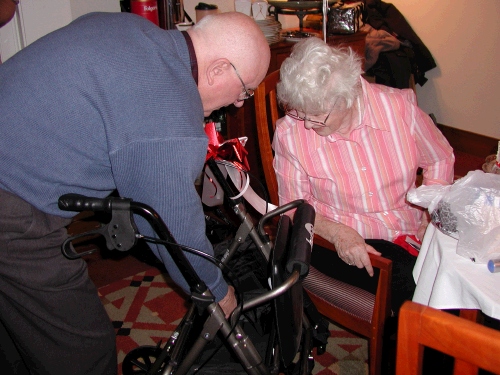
<point>464,38</point>
<point>39,17</point>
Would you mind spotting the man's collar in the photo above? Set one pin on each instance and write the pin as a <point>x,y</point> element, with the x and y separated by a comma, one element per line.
<point>192,56</point>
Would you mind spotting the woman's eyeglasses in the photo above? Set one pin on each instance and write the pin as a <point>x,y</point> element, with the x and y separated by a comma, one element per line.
<point>294,114</point>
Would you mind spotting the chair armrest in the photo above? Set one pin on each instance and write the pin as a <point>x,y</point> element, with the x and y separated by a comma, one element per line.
<point>380,262</point>
<point>383,294</point>
<point>381,307</point>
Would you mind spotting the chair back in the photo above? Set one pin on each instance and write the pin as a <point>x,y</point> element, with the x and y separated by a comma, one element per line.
<point>471,344</point>
<point>266,115</point>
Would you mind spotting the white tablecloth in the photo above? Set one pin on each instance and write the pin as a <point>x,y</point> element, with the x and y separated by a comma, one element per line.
<point>446,280</point>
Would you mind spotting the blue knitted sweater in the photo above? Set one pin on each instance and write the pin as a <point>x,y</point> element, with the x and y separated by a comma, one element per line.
<point>108,102</point>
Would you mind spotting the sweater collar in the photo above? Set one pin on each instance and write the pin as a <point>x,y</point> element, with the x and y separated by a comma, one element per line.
<point>192,56</point>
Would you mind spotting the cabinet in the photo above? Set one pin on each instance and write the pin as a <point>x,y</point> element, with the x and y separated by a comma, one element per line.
<point>241,121</point>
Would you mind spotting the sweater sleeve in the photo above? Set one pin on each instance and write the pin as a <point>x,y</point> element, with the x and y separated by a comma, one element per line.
<point>162,174</point>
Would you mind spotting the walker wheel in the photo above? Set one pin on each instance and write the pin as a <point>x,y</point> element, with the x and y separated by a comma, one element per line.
<point>139,361</point>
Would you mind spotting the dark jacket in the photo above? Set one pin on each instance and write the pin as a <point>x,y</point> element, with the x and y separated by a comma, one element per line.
<point>413,54</point>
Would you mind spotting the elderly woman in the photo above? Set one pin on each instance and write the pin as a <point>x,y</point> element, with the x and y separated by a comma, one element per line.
<point>352,150</point>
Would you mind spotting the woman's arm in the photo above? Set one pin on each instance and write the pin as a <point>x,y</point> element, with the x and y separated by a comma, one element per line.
<point>435,153</point>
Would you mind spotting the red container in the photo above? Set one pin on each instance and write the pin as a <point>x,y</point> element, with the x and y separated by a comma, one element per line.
<point>145,8</point>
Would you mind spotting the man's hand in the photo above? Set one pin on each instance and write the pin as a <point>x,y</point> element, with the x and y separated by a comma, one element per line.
<point>228,303</point>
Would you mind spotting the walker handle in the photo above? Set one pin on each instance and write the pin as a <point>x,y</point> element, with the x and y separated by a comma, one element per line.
<point>301,239</point>
<point>79,203</point>
<point>119,233</point>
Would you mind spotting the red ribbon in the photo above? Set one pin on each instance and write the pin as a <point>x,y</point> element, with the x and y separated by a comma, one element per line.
<point>231,150</point>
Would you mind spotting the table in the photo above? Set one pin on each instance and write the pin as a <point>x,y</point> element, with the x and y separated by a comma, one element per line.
<point>446,280</point>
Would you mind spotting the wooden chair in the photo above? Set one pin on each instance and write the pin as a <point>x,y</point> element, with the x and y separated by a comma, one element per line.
<point>471,344</point>
<point>353,308</point>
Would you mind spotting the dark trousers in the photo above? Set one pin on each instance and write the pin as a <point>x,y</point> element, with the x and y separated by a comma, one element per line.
<point>403,285</point>
<point>51,319</point>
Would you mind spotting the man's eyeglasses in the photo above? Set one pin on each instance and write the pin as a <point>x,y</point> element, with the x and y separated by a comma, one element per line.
<point>294,114</point>
<point>246,93</point>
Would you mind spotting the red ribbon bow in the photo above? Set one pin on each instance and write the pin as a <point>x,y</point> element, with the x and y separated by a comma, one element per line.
<point>231,150</point>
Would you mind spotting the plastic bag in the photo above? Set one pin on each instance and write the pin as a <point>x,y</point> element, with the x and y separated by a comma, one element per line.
<point>427,196</point>
<point>468,210</point>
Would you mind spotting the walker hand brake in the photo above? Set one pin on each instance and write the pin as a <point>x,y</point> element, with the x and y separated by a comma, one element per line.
<point>119,233</point>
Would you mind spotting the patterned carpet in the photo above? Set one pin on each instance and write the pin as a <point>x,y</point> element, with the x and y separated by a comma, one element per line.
<point>146,307</point>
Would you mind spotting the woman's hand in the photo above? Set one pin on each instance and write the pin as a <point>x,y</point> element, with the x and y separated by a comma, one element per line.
<point>350,246</point>
<point>353,250</point>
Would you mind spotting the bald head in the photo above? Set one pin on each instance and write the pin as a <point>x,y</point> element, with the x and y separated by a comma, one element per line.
<point>224,39</point>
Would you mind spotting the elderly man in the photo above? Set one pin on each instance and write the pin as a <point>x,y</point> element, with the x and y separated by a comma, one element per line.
<point>108,102</point>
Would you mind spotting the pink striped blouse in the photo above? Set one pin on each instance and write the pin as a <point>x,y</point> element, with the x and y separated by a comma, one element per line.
<point>362,181</point>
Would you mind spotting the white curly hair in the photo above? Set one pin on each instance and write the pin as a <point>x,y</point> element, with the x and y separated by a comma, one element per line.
<point>316,75</point>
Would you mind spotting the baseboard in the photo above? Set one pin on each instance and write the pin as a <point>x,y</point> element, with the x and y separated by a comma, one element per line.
<point>469,142</point>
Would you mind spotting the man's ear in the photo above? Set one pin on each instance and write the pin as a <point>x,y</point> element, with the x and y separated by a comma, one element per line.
<point>217,69</point>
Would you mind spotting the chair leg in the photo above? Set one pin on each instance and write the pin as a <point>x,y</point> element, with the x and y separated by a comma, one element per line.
<point>461,367</point>
<point>375,352</point>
